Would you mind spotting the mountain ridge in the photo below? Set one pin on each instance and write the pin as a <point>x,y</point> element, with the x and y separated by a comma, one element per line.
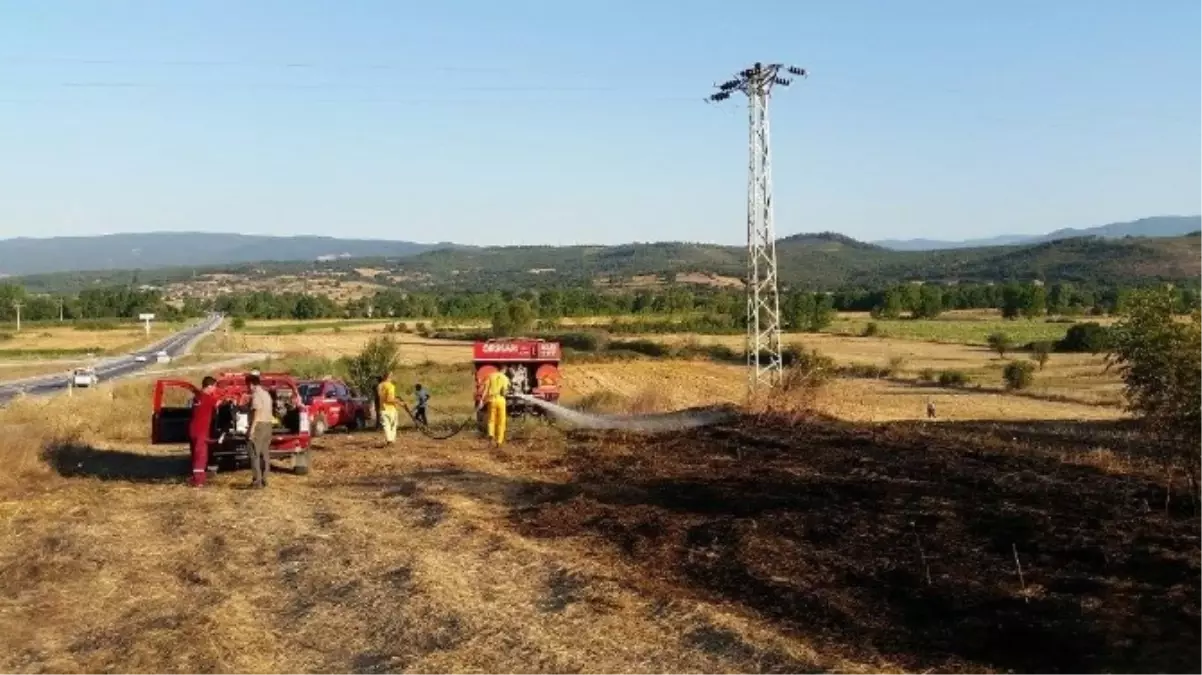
<point>1153,226</point>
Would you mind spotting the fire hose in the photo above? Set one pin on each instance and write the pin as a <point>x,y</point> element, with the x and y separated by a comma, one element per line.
<point>425,428</point>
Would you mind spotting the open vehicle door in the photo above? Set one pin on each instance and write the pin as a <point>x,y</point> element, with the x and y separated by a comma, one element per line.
<point>172,411</point>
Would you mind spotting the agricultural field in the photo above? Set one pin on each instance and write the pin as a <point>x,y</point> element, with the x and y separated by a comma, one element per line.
<point>960,327</point>
<point>47,348</point>
<point>1074,377</point>
<point>68,339</point>
<point>781,541</point>
<point>830,528</point>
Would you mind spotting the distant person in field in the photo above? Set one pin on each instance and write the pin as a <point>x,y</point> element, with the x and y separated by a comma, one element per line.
<point>930,410</point>
<point>199,428</point>
<point>421,400</point>
<point>495,388</point>
<point>261,423</point>
<point>388,409</point>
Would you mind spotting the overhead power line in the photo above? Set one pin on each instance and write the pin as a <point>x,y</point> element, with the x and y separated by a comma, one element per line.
<point>220,63</point>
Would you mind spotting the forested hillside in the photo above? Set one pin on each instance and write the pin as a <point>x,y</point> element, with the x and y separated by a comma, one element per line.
<point>817,261</point>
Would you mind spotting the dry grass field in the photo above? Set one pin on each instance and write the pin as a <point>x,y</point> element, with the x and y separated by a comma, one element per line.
<point>673,385</point>
<point>770,544</point>
<point>46,350</point>
<point>50,340</point>
<point>1077,377</point>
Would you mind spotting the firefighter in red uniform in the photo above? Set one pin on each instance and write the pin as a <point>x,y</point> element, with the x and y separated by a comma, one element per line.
<point>198,430</point>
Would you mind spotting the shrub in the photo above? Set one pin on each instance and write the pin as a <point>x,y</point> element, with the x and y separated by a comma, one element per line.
<point>1040,351</point>
<point>1000,343</point>
<point>807,368</point>
<point>868,370</point>
<point>953,378</point>
<point>422,329</point>
<point>5,337</point>
<point>644,347</point>
<point>714,352</point>
<point>380,355</point>
<point>238,323</point>
<point>1018,374</point>
<point>1085,337</point>
<point>896,365</point>
<point>871,330</point>
<point>581,342</point>
<point>927,375</point>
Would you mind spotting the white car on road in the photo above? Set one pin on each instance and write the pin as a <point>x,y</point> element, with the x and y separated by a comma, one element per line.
<point>140,358</point>
<point>84,377</point>
<point>162,357</point>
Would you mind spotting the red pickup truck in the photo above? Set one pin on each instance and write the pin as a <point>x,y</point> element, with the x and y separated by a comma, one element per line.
<point>332,404</point>
<point>228,441</point>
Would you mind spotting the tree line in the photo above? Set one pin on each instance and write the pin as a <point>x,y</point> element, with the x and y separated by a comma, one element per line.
<point>801,310</point>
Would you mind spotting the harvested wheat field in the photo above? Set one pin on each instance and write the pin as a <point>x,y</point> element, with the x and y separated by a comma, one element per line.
<point>414,348</point>
<point>771,544</point>
<point>68,339</point>
<point>672,385</point>
<point>1079,377</point>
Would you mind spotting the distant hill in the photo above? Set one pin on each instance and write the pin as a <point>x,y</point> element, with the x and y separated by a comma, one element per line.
<point>171,249</point>
<point>823,260</point>
<point>1159,226</point>
<point>818,261</point>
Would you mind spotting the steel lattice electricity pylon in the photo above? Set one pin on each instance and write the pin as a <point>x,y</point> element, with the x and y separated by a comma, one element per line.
<point>763,300</point>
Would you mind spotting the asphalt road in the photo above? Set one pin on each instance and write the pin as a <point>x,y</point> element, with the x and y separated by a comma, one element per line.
<point>116,367</point>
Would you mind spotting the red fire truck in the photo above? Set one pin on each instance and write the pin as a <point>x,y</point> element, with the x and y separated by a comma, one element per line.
<point>535,370</point>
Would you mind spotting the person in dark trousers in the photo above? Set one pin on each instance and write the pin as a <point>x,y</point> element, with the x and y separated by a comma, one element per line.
<point>422,398</point>
<point>260,431</point>
<point>199,428</point>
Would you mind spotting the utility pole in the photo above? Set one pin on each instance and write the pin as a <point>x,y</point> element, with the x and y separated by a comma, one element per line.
<point>764,364</point>
<point>18,305</point>
<point>60,310</point>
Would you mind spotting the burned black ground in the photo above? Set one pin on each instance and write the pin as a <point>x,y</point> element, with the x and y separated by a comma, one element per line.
<point>902,543</point>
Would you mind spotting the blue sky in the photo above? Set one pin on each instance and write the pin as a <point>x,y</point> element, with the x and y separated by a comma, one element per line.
<point>583,122</point>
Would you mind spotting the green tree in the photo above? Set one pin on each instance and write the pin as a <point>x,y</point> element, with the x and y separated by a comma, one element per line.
<point>1040,352</point>
<point>1000,343</point>
<point>1018,375</point>
<point>514,318</point>
<point>1060,299</point>
<point>379,356</point>
<point>930,302</point>
<point>1014,298</point>
<point>1035,302</point>
<point>1160,360</point>
<point>1084,337</point>
<point>891,307</point>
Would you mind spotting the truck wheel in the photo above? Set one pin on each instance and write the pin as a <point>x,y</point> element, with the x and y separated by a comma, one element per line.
<point>300,463</point>
<point>319,427</point>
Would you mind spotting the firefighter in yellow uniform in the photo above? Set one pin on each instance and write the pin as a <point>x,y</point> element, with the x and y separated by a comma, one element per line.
<point>495,388</point>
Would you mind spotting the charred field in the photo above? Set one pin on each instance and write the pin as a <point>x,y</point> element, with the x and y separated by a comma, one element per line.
<point>968,546</point>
